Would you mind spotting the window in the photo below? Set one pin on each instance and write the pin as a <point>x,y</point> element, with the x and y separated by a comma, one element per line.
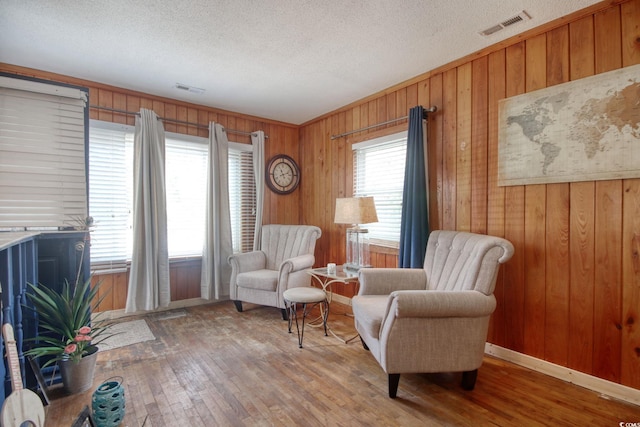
<point>186,183</point>
<point>242,196</point>
<point>378,166</point>
<point>42,155</point>
<point>111,194</point>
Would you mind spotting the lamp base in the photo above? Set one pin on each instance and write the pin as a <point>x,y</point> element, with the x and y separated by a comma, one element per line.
<point>357,249</point>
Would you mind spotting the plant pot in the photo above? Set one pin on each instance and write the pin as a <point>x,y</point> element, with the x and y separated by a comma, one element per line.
<point>78,377</point>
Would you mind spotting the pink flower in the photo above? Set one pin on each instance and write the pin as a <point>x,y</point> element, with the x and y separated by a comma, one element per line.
<point>85,330</point>
<point>71,348</point>
<point>80,338</point>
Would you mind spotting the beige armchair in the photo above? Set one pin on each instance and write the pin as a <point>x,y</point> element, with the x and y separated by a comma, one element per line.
<point>433,319</point>
<point>261,277</point>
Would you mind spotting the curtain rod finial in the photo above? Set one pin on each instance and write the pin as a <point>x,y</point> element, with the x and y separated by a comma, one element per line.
<point>426,111</point>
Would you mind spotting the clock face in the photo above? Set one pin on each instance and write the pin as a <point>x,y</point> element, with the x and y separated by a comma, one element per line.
<point>283,174</point>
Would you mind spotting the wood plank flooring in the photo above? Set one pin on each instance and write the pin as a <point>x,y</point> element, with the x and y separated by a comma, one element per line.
<point>216,367</point>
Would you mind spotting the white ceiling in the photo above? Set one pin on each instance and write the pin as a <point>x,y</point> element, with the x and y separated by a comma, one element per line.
<point>287,60</point>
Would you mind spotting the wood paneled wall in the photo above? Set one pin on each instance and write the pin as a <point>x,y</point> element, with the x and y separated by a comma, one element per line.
<point>571,293</point>
<point>282,138</point>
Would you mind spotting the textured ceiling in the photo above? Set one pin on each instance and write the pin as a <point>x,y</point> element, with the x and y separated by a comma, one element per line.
<point>287,60</point>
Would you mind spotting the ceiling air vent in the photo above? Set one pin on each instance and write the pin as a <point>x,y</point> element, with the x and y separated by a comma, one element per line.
<point>188,88</point>
<point>522,16</point>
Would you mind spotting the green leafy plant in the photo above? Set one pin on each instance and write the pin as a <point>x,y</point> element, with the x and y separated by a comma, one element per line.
<point>66,317</point>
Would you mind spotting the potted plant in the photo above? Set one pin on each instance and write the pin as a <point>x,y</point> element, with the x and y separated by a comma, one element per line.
<point>68,335</point>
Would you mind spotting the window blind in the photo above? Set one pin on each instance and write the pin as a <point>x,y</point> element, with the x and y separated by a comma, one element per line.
<point>242,196</point>
<point>42,155</point>
<point>110,194</point>
<point>378,166</point>
<point>186,184</point>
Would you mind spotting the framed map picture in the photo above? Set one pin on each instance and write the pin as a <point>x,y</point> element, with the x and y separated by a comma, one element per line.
<point>584,130</point>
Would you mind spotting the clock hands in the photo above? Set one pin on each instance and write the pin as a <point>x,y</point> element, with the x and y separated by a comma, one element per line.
<point>282,175</point>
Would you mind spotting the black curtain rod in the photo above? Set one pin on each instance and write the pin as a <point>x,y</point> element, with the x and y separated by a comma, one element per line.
<point>426,114</point>
<point>181,122</point>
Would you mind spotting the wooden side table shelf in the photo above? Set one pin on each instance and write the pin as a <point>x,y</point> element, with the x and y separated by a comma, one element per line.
<point>326,280</point>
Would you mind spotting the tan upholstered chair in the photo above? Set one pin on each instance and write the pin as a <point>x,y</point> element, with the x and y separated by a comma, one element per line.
<point>261,277</point>
<point>433,319</point>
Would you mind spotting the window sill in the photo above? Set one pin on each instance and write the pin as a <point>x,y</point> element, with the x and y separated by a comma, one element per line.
<point>103,268</point>
<point>383,249</point>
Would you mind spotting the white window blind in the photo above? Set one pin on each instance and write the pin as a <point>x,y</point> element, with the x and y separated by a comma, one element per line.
<point>378,166</point>
<point>186,183</point>
<point>242,196</point>
<point>42,155</point>
<point>110,194</point>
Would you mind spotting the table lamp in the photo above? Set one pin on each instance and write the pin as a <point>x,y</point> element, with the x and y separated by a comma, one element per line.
<point>356,211</point>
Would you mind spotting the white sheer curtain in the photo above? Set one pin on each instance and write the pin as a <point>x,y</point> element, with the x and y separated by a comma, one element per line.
<point>216,271</point>
<point>257,141</point>
<point>149,276</point>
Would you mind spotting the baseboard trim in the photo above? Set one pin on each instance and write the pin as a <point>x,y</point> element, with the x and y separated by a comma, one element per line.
<point>341,299</point>
<point>598,385</point>
<point>120,313</point>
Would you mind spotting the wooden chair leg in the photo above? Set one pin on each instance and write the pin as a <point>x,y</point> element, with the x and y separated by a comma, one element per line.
<point>394,380</point>
<point>285,313</point>
<point>469,379</point>
<point>238,305</point>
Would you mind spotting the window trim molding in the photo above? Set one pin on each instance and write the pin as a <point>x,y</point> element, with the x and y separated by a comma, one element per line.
<point>380,140</point>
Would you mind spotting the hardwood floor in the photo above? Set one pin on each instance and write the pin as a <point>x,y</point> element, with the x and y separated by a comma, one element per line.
<point>216,367</point>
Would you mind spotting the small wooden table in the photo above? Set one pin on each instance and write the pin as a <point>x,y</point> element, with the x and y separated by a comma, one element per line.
<point>326,280</point>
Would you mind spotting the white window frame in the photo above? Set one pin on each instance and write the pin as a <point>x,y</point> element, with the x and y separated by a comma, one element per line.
<point>383,179</point>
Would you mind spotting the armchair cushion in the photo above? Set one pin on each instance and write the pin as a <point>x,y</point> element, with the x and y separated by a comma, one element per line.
<point>264,280</point>
<point>369,312</point>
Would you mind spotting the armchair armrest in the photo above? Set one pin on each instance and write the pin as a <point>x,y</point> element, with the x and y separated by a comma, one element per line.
<point>248,261</point>
<point>297,263</point>
<point>383,281</point>
<point>441,304</point>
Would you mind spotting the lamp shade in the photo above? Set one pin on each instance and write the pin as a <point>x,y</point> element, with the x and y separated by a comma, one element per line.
<point>355,210</point>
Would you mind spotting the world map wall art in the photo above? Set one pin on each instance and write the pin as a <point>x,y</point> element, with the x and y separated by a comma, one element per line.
<point>584,130</point>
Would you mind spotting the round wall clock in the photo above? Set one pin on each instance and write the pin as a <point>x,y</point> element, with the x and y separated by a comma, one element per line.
<point>283,174</point>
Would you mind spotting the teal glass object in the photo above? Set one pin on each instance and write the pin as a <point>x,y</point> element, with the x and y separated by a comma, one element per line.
<point>108,403</point>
